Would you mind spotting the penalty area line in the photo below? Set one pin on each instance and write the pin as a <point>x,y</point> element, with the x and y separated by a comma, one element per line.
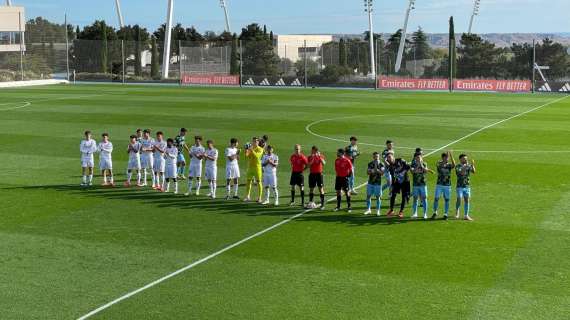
<point>277,225</point>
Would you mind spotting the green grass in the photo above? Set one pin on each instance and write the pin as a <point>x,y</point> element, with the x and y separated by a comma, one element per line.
<point>66,251</point>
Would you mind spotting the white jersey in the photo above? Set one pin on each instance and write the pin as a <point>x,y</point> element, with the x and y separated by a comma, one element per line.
<point>146,145</point>
<point>160,148</point>
<point>232,166</point>
<point>195,152</point>
<point>212,153</point>
<point>105,150</point>
<point>135,151</point>
<point>268,169</point>
<point>87,149</point>
<point>170,155</point>
<point>230,152</point>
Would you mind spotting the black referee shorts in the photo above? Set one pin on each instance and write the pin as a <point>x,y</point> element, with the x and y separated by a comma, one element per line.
<point>297,179</point>
<point>341,183</point>
<point>316,180</point>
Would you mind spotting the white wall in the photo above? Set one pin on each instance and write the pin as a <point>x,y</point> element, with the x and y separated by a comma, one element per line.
<point>288,45</point>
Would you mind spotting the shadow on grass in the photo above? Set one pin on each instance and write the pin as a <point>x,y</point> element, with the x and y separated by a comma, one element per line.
<point>222,206</point>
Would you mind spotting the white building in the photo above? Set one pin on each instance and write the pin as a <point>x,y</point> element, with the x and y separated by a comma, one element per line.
<point>293,48</point>
<point>12,27</point>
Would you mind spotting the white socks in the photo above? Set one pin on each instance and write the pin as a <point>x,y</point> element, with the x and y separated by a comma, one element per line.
<point>166,186</point>
<point>236,189</point>
<point>268,193</point>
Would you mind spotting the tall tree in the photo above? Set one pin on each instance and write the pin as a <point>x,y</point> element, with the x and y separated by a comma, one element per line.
<point>178,34</point>
<point>554,55</point>
<point>451,63</point>
<point>234,57</point>
<point>104,47</point>
<point>259,57</point>
<point>87,50</point>
<point>420,47</point>
<point>391,50</point>
<point>342,52</point>
<point>154,65</point>
<point>478,58</point>
<point>138,53</point>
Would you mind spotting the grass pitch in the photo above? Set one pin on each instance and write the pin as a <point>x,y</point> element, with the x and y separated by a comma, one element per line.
<point>67,251</point>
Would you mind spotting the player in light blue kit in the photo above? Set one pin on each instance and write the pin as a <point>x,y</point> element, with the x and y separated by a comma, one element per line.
<point>443,188</point>
<point>464,170</point>
<point>419,190</point>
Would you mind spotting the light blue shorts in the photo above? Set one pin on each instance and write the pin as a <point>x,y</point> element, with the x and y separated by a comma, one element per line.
<point>464,192</point>
<point>420,191</point>
<point>374,190</point>
<point>444,191</point>
<point>181,158</point>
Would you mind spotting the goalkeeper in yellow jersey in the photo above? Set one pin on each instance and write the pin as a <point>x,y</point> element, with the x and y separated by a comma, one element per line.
<point>253,155</point>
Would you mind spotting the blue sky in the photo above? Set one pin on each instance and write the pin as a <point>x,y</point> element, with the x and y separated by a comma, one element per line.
<point>318,16</point>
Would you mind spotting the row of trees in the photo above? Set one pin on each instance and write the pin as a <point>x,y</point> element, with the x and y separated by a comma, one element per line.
<point>96,49</point>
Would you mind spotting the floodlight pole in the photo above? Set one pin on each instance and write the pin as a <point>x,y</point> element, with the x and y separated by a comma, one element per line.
<point>224,6</point>
<point>476,6</point>
<point>403,38</point>
<point>167,40</point>
<point>368,7</point>
<point>119,13</point>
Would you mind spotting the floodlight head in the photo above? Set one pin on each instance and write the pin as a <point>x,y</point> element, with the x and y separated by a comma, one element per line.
<point>368,5</point>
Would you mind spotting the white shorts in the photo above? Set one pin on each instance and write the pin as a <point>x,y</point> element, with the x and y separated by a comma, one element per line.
<point>87,162</point>
<point>170,171</point>
<point>195,170</point>
<point>270,180</point>
<point>134,164</point>
<point>159,164</point>
<point>105,164</point>
<point>147,160</point>
<point>232,171</point>
<point>211,173</point>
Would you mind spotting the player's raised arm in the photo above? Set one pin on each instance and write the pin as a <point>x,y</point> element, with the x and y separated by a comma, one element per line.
<point>473,166</point>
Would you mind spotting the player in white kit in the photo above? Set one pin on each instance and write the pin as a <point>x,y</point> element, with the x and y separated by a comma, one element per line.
<point>105,149</point>
<point>269,162</point>
<point>232,168</point>
<point>87,147</point>
<point>171,170</point>
<point>211,157</point>
<point>158,166</point>
<point>134,151</point>
<point>195,171</point>
<point>147,156</point>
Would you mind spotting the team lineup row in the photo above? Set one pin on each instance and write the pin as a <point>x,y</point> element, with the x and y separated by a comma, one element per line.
<point>166,162</point>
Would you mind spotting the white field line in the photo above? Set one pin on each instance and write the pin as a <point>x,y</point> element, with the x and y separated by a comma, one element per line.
<point>308,128</point>
<point>24,104</point>
<point>255,235</point>
<point>29,103</point>
<point>310,125</point>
